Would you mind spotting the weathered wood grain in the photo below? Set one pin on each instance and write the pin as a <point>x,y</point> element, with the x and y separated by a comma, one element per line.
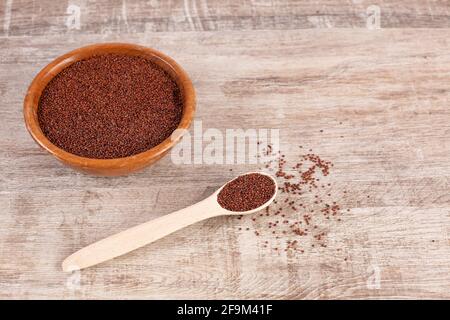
<point>31,17</point>
<point>381,98</point>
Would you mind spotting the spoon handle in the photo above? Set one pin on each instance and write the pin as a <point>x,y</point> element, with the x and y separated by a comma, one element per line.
<point>140,235</point>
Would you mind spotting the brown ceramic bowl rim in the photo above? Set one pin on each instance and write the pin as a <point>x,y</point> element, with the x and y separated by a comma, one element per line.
<point>53,68</point>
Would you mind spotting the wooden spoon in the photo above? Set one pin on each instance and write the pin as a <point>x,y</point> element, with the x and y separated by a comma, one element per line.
<point>153,230</point>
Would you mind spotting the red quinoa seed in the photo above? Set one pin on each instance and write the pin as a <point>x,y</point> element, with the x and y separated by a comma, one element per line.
<point>301,201</point>
<point>246,192</point>
<point>110,106</point>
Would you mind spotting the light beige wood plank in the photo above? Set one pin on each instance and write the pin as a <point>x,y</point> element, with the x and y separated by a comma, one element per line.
<point>381,98</point>
<point>31,17</point>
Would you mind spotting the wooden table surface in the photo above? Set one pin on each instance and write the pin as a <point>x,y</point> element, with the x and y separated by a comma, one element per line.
<point>380,93</point>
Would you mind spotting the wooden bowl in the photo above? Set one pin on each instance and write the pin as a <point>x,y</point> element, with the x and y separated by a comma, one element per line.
<point>118,166</point>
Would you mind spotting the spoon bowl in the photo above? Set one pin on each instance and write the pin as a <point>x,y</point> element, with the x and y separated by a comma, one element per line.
<point>143,234</point>
<point>261,207</point>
